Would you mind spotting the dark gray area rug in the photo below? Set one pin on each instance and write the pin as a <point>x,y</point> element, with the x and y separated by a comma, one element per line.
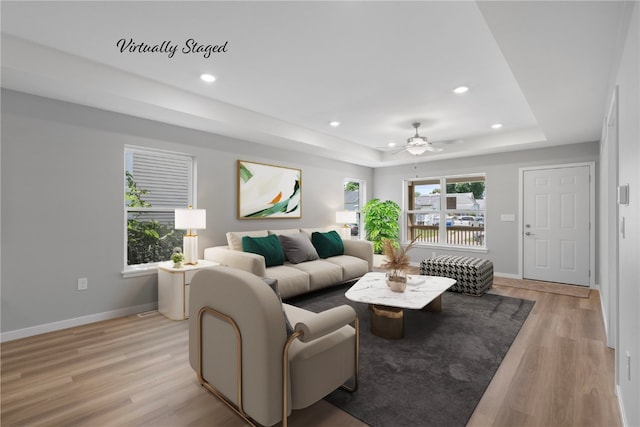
<point>436,374</point>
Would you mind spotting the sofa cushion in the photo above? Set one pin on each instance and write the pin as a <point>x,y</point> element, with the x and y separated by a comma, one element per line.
<point>285,231</point>
<point>291,281</point>
<point>327,244</point>
<point>321,273</point>
<point>297,248</point>
<point>269,247</point>
<point>352,267</point>
<point>234,238</point>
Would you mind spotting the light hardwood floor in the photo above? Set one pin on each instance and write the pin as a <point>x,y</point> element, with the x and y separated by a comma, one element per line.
<point>134,371</point>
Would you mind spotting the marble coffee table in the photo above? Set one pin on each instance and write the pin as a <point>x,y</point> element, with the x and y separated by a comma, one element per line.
<point>387,307</point>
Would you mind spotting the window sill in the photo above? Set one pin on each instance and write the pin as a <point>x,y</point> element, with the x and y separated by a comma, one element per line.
<point>476,249</point>
<point>139,270</point>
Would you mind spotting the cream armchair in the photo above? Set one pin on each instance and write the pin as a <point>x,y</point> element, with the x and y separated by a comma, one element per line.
<point>239,348</point>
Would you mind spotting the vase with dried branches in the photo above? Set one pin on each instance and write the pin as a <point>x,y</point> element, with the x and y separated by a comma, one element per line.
<point>396,263</point>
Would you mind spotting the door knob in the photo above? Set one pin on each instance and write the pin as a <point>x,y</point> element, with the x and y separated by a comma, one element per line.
<point>528,233</point>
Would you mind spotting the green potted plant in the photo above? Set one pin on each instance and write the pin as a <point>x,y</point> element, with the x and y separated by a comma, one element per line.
<point>177,257</point>
<point>381,222</point>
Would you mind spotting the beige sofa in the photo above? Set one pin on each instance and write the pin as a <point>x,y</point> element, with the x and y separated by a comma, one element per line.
<point>302,277</point>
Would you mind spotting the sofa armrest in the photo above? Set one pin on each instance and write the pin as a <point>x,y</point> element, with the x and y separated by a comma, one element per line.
<point>325,322</point>
<point>361,249</point>
<point>253,263</point>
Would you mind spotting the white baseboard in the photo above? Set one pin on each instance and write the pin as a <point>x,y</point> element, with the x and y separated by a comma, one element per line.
<point>78,321</point>
<point>507,275</point>
<point>621,406</point>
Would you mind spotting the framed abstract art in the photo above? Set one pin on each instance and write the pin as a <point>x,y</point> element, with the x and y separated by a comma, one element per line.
<point>267,191</point>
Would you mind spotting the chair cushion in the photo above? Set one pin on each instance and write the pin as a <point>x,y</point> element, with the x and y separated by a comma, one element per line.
<point>324,362</point>
<point>298,248</point>
<point>269,247</point>
<point>327,244</point>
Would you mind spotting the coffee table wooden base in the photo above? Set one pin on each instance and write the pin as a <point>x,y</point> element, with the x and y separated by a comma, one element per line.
<point>435,305</point>
<point>387,322</point>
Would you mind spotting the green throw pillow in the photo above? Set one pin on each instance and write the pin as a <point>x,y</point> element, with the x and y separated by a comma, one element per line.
<point>269,247</point>
<point>327,244</point>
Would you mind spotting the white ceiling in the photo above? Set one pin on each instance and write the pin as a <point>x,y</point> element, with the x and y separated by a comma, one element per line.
<point>541,68</point>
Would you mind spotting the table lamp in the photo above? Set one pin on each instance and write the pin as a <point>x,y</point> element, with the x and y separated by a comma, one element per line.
<point>190,219</point>
<point>346,218</point>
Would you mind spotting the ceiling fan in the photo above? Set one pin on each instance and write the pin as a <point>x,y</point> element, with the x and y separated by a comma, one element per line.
<point>417,144</point>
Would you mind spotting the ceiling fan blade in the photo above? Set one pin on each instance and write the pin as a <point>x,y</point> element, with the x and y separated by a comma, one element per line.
<point>400,150</point>
<point>433,149</point>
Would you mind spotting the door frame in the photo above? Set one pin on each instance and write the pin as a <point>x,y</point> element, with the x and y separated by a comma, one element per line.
<point>592,214</point>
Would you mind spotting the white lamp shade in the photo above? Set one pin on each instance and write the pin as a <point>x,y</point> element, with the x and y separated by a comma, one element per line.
<point>191,219</point>
<point>346,217</point>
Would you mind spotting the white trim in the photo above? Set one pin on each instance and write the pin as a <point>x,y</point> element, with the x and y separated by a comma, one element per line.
<point>140,270</point>
<point>78,321</point>
<point>592,210</point>
<point>508,275</point>
<point>621,406</point>
<point>605,321</point>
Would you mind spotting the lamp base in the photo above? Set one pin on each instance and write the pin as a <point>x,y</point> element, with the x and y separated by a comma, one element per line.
<point>345,233</point>
<point>190,249</point>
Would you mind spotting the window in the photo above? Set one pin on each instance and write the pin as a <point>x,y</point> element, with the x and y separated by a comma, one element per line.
<point>156,183</point>
<point>353,201</point>
<point>446,210</point>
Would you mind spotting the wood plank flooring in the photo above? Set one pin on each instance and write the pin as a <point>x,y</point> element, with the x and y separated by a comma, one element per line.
<point>134,371</point>
<point>536,285</point>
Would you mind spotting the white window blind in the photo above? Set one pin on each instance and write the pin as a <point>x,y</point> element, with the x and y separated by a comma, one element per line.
<point>167,177</point>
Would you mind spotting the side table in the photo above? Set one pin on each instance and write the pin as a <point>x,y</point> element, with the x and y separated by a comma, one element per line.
<point>173,287</point>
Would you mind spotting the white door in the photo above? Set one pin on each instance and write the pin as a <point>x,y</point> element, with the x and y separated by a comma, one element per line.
<point>556,221</point>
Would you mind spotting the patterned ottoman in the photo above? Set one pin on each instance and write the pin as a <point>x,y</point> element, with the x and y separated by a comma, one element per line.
<point>474,275</point>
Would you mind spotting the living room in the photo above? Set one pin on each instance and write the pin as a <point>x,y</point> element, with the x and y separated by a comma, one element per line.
<point>63,174</point>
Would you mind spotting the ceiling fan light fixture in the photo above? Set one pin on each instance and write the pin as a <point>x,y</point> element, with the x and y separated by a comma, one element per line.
<point>416,150</point>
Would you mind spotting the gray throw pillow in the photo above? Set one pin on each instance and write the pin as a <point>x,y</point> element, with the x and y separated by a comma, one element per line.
<point>273,284</point>
<point>298,248</point>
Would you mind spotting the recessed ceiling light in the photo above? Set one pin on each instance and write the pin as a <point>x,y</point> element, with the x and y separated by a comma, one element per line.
<point>391,144</point>
<point>496,126</point>
<point>461,89</point>
<point>207,78</point>
<point>334,124</point>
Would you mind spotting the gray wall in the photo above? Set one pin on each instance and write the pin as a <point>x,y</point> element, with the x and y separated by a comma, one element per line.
<point>502,174</point>
<point>628,345</point>
<point>62,203</point>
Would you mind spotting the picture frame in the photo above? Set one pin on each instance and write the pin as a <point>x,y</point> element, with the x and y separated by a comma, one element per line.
<point>268,192</point>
